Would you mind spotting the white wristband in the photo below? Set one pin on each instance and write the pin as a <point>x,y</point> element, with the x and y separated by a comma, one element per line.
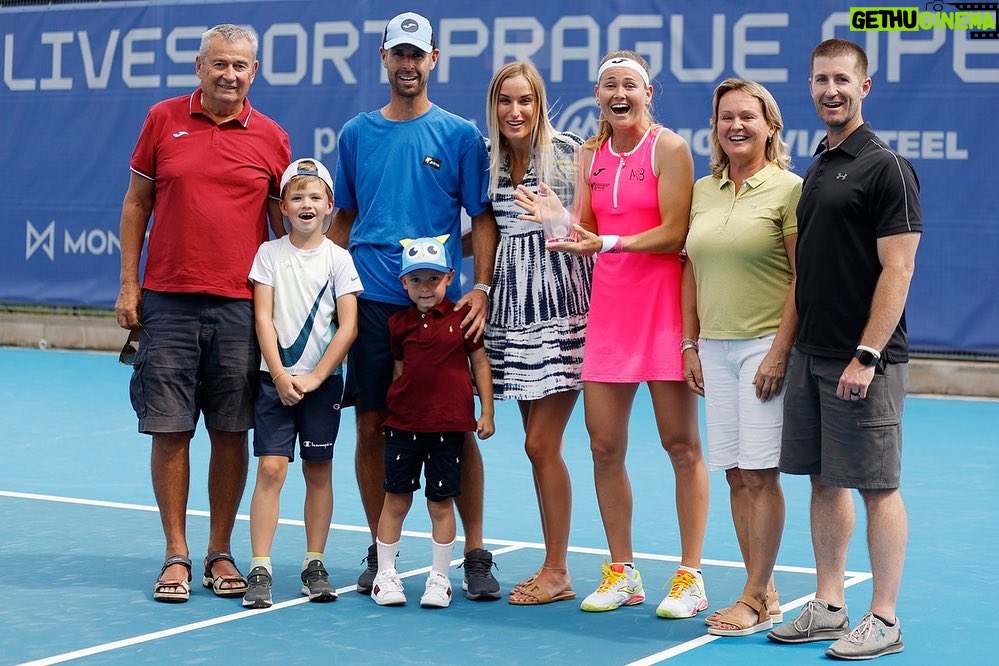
<point>610,243</point>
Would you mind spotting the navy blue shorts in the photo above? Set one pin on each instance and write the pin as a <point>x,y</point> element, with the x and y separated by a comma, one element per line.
<point>198,354</point>
<point>315,421</point>
<point>406,453</point>
<point>370,362</point>
<point>846,443</point>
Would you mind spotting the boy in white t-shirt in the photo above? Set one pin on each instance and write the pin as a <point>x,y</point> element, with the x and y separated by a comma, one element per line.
<point>305,303</point>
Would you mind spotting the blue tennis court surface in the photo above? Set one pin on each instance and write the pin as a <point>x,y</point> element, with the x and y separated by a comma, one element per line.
<point>81,546</point>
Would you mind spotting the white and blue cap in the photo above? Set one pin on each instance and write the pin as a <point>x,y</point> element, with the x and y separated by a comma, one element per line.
<point>409,28</point>
<point>307,166</point>
<point>424,253</point>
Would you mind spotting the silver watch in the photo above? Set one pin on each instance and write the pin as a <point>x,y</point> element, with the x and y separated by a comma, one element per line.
<point>483,287</point>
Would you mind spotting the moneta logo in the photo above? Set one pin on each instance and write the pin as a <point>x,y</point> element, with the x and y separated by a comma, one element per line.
<point>43,240</point>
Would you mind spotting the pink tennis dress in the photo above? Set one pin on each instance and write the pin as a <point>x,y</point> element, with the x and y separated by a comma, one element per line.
<point>635,324</point>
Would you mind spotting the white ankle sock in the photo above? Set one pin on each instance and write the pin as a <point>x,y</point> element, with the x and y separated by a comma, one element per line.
<point>442,556</point>
<point>386,555</point>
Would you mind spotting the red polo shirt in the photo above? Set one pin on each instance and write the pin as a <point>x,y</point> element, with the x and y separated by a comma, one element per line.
<point>212,185</point>
<point>434,392</point>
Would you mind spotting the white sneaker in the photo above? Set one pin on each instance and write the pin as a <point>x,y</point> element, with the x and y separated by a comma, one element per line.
<point>621,586</point>
<point>686,596</point>
<point>438,591</point>
<point>387,589</point>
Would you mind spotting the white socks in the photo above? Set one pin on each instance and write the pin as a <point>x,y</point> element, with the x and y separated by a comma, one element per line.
<point>442,556</point>
<point>386,555</point>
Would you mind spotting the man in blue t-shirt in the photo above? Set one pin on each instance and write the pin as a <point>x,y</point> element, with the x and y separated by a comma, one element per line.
<point>405,171</point>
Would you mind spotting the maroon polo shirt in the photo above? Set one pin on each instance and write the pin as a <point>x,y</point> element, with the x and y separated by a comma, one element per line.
<point>434,392</point>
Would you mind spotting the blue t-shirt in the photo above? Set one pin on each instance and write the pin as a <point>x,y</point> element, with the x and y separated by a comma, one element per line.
<point>407,179</point>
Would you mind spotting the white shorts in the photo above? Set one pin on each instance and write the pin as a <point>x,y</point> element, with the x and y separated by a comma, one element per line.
<point>743,431</point>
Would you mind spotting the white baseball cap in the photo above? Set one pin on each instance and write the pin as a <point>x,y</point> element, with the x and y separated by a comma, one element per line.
<point>311,167</point>
<point>409,28</point>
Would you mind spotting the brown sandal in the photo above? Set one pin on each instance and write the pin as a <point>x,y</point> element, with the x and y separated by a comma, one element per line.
<point>161,586</point>
<point>237,584</point>
<point>773,605</point>
<point>524,583</point>
<point>539,595</point>
<point>763,621</point>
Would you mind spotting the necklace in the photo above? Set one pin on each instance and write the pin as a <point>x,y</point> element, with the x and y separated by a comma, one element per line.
<point>624,155</point>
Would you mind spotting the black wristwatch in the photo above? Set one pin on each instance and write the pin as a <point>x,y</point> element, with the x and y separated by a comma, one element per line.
<point>867,357</point>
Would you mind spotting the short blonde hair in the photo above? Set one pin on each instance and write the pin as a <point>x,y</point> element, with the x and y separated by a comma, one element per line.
<point>776,150</point>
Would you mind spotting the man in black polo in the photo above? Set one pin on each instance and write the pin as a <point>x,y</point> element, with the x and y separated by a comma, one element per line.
<point>859,224</point>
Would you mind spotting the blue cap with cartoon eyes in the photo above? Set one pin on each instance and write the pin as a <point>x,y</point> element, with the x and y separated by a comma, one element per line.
<point>424,253</point>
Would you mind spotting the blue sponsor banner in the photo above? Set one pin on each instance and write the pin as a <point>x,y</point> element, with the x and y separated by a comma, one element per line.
<point>77,80</point>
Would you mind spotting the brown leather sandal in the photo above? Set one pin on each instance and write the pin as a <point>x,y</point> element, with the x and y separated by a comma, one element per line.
<point>763,621</point>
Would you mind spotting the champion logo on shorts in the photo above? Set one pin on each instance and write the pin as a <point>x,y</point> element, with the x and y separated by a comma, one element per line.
<point>431,161</point>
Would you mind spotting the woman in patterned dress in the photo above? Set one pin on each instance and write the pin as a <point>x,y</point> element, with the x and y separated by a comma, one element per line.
<point>538,310</point>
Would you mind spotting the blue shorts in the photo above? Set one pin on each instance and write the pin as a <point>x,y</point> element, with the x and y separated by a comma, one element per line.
<point>370,362</point>
<point>315,420</point>
<point>406,453</point>
<point>846,443</point>
<point>198,354</point>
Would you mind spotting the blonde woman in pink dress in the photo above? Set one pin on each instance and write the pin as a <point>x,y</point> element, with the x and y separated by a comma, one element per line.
<point>634,206</point>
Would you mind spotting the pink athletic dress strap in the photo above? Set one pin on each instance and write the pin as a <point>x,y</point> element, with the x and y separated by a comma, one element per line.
<point>635,323</point>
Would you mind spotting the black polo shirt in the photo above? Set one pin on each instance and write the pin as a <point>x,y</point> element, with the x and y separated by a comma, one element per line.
<point>852,195</point>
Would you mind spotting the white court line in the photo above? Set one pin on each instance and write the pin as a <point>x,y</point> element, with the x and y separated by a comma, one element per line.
<point>507,546</point>
<point>512,544</point>
<point>853,578</point>
<point>194,626</point>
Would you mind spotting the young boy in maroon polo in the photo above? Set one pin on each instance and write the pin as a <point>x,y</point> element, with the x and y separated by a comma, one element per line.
<point>430,408</point>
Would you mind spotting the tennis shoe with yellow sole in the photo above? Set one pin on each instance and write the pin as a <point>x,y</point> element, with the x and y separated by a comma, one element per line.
<point>621,586</point>
<point>686,596</point>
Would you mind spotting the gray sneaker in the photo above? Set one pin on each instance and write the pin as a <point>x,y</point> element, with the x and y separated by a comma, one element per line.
<point>872,638</point>
<point>815,623</point>
<point>316,583</point>
<point>258,593</point>
<point>479,583</point>
<point>367,577</point>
